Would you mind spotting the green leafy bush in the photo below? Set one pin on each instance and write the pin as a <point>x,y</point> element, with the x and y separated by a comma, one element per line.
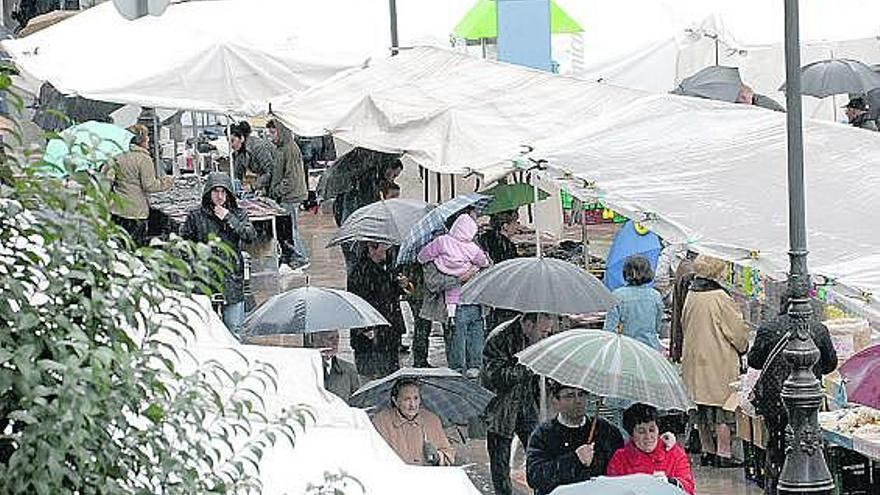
<point>97,394</point>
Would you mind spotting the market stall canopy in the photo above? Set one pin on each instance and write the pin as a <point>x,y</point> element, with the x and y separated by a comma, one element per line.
<point>447,111</point>
<point>668,40</point>
<point>482,21</point>
<point>712,176</point>
<point>224,57</point>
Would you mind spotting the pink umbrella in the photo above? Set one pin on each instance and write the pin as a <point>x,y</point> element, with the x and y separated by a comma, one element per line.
<point>861,375</point>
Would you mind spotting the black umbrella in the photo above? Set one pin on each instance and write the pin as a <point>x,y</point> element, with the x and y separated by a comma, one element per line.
<point>837,76</point>
<point>350,168</point>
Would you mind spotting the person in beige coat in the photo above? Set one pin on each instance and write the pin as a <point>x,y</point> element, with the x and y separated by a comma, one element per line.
<point>715,336</point>
<point>132,175</point>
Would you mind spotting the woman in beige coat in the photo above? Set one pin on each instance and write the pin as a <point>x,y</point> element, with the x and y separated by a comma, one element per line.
<point>132,176</point>
<point>715,336</point>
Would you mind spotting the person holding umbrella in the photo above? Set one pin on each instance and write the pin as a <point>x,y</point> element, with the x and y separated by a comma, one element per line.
<point>857,114</point>
<point>570,447</point>
<point>456,254</point>
<point>374,280</point>
<point>514,409</point>
<point>715,336</point>
<point>414,433</point>
<point>340,376</point>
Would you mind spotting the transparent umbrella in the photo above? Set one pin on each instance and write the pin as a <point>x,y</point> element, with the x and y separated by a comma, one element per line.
<point>610,365</point>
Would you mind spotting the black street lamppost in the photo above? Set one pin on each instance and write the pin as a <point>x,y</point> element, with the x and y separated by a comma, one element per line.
<point>804,470</point>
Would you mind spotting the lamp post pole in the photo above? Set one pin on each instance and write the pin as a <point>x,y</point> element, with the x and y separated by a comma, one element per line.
<point>804,470</point>
<point>392,11</point>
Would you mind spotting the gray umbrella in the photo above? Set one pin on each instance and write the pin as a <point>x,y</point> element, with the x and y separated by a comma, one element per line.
<point>836,76</point>
<point>715,83</point>
<point>310,310</point>
<point>383,221</point>
<point>538,285</point>
<point>444,392</point>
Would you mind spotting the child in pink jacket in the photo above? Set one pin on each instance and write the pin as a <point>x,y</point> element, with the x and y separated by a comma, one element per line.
<point>457,254</point>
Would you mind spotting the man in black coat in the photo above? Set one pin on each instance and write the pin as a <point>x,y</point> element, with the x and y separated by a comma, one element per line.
<point>559,452</point>
<point>219,214</point>
<point>514,409</point>
<point>373,279</point>
<point>766,354</point>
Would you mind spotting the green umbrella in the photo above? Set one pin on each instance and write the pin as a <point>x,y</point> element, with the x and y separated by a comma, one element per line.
<point>481,21</point>
<point>510,197</point>
<point>609,365</point>
<point>85,146</point>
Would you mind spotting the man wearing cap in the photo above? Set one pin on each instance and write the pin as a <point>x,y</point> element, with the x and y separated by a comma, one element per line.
<point>857,113</point>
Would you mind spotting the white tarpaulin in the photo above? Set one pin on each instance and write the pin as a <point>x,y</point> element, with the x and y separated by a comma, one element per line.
<point>668,40</point>
<point>226,56</point>
<point>447,111</point>
<point>712,176</point>
<point>218,56</point>
<point>341,440</point>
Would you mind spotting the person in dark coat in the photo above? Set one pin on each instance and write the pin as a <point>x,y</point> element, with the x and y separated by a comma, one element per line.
<point>340,376</point>
<point>251,152</point>
<point>683,277</point>
<point>287,186</point>
<point>514,409</point>
<point>766,354</point>
<point>219,214</point>
<point>559,452</point>
<point>373,279</point>
<point>858,115</point>
<point>497,244</point>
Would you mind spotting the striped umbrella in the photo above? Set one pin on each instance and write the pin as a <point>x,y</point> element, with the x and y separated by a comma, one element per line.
<point>609,365</point>
<point>446,393</point>
<point>423,231</point>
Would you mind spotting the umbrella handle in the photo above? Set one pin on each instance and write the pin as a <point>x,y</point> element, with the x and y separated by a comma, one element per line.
<point>595,421</point>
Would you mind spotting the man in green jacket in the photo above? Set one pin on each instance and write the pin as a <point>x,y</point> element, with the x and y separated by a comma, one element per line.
<point>286,184</point>
<point>132,176</point>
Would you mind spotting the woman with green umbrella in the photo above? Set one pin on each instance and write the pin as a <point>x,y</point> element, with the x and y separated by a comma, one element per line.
<point>132,175</point>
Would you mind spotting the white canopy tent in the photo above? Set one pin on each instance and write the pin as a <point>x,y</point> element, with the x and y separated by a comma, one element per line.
<point>447,111</point>
<point>226,56</point>
<point>708,175</point>
<point>341,440</point>
<point>653,44</point>
<point>711,176</point>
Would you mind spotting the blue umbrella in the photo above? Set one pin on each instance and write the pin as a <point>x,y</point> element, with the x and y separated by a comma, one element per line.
<point>628,242</point>
<point>86,146</point>
<point>634,484</point>
<point>424,230</point>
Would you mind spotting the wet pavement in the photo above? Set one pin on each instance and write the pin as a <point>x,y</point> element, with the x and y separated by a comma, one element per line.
<point>327,270</point>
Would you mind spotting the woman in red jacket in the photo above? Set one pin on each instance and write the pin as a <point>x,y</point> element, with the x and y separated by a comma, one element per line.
<point>645,453</point>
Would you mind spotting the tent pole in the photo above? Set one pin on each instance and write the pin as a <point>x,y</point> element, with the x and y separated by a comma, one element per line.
<point>439,178</point>
<point>535,217</point>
